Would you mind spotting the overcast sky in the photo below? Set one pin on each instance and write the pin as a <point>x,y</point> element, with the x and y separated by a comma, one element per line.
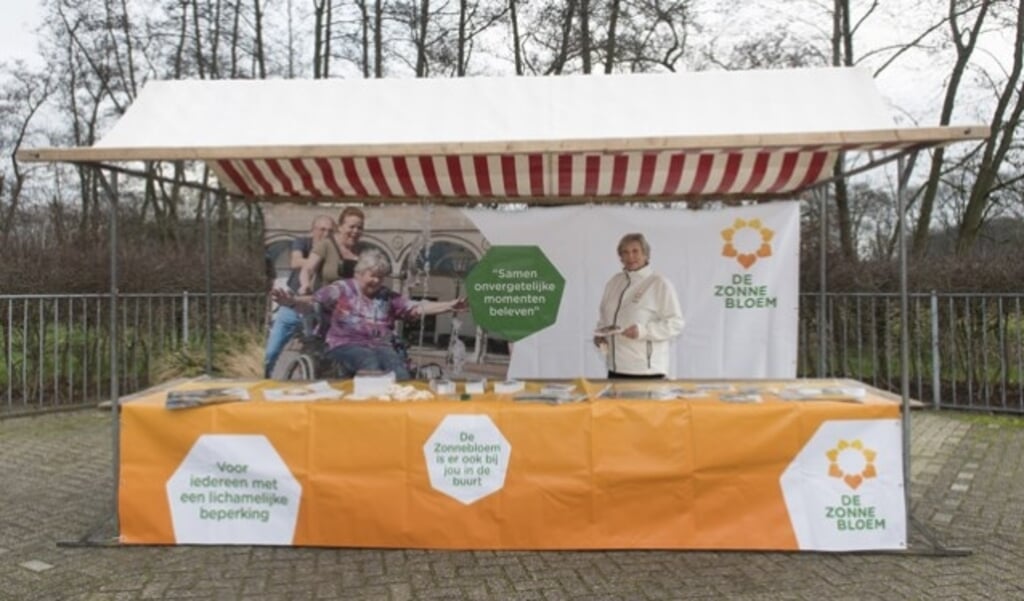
<point>913,87</point>
<point>17,24</point>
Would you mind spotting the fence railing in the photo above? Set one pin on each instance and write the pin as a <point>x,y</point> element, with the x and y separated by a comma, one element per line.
<point>966,350</point>
<point>56,347</point>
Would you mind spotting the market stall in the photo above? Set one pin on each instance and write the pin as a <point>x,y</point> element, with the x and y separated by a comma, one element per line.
<point>601,472</point>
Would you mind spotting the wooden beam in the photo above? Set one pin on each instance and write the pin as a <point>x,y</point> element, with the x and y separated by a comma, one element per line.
<point>849,141</point>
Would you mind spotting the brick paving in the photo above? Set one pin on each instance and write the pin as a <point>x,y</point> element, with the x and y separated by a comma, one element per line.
<point>967,477</point>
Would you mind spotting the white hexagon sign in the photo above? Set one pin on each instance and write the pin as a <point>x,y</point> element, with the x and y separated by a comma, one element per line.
<point>233,489</point>
<point>467,457</point>
<point>844,489</point>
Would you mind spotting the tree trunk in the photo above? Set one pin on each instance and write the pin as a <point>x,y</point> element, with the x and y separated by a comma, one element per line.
<point>199,40</point>
<point>259,53</point>
<point>235,38</point>
<point>1006,120</point>
<point>964,49</point>
<point>378,39</point>
<point>179,51</point>
<point>560,59</point>
<point>328,27</point>
<point>612,49</point>
<point>291,42</point>
<point>517,44</point>
<point>842,48</point>
<point>364,13</point>
<point>460,66</point>
<point>215,41</point>
<point>585,35</point>
<point>318,42</point>
<point>126,30</point>
<point>421,41</point>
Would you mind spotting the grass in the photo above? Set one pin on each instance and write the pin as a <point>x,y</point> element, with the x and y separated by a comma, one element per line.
<point>994,421</point>
<point>237,354</point>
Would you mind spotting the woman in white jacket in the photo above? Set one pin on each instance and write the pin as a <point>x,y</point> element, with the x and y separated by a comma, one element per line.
<point>639,315</point>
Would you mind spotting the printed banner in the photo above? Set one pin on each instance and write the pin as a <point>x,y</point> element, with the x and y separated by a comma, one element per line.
<point>497,473</point>
<point>845,487</point>
<point>735,272</point>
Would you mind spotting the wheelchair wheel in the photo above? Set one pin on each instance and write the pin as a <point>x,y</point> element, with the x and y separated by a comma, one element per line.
<point>301,368</point>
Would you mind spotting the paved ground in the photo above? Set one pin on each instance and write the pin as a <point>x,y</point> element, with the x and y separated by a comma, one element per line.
<point>55,489</point>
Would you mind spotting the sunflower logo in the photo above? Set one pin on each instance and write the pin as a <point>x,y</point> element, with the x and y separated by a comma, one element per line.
<point>851,462</point>
<point>752,245</point>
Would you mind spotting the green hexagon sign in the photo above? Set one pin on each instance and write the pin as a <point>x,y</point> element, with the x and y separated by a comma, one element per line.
<point>514,291</point>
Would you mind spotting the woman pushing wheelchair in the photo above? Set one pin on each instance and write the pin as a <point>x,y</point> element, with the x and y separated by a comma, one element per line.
<point>362,313</point>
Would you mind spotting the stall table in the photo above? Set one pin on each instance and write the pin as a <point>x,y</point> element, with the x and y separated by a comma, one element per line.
<point>785,465</point>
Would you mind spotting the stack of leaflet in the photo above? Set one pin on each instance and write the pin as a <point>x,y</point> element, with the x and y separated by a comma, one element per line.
<point>185,399</point>
<point>442,386</point>
<point>553,393</point>
<point>314,391</point>
<point>509,386</point>
<point>372,384</point>
<point>851,394</point>
<point>475,385</point>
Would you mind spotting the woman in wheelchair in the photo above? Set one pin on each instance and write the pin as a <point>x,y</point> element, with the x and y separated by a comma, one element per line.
<point>362,316</point>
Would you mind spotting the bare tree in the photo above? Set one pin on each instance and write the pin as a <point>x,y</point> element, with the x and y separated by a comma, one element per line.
<point>964,42</point>
<point>842,55</point>
<point>23,94</point>
<point>653,34</point>
<point>1005,124</point>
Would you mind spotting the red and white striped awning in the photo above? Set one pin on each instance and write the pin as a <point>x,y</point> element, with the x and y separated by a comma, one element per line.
<point>536,176</point>
<point>753,134</point>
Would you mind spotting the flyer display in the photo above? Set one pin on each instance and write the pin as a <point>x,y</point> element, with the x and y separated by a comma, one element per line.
<point>676,465</point>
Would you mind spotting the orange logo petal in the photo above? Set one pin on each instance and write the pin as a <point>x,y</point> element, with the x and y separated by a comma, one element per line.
<point>747,259</point>
<point>853,481</point>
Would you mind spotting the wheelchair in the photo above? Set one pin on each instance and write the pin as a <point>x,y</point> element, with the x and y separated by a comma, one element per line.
<point>312,362</point>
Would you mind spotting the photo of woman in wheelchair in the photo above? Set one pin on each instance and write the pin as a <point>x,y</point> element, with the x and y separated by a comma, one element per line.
<point>361,313</point>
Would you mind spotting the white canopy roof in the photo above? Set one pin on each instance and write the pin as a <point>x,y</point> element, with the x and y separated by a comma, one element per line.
<point>629,136</point>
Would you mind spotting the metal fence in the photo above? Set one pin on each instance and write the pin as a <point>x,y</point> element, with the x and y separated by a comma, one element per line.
<point>56,347</point>
<point>966,350</point>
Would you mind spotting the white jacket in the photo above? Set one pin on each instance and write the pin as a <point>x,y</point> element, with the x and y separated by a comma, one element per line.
<point>647,300</point>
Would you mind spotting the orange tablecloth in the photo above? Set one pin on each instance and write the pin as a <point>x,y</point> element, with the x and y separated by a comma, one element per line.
<point>600,473</point>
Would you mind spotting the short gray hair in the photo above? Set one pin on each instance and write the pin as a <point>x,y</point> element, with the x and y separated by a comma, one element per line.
<point>635,237</point>
<point>323,219</point>
<point>373,260</point>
